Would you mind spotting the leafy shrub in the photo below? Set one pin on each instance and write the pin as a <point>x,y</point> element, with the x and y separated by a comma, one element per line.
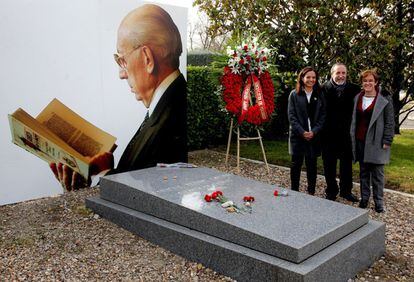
<point>207,124</point>
<point>202,58</point>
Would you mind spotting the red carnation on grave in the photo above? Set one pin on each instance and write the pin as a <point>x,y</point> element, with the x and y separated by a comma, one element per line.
<point>264,59</point>
<point>245,47</point>
<point>276,193</point>
<point>207,198</point>
<point>248,199</point>
<point>224,202</point>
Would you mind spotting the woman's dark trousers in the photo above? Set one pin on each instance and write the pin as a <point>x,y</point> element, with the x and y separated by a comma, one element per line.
<point>295,169</point>
<point>372,174</point>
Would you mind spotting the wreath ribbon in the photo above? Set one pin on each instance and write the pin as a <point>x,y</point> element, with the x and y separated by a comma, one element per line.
<point>259,97</point>
<point>245,99</point>
<point>252,80</point>
<point>237,92</point>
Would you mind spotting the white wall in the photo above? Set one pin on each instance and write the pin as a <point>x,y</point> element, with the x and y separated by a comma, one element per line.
<point>63,49</point>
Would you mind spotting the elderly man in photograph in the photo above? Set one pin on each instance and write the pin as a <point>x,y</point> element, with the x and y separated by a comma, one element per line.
<point>148,51</point>
<point>336,141</point>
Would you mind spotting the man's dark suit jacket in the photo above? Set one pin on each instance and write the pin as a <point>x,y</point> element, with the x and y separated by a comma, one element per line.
<point>339,106</point>
<point>163,138</point>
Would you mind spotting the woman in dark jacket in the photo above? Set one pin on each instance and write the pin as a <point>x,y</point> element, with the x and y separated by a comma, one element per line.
<point>372,132</point>
<point>306,113</point>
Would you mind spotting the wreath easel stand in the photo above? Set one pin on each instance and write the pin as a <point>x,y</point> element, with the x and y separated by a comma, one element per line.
<point>247,66</point>
<point>259,137</point>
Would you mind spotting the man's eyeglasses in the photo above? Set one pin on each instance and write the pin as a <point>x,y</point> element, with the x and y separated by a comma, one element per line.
<point>121,60</point>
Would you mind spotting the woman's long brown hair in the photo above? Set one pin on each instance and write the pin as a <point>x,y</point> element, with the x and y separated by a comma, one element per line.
<point>301,75</point>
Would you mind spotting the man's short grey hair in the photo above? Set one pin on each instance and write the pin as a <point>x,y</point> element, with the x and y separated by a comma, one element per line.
<point>337,65</point>
<point>156,29</point>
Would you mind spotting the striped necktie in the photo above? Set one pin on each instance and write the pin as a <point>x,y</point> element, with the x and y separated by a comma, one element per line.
<point>144,121</point>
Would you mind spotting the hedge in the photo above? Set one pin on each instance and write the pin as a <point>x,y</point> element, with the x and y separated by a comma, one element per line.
<point>203,58</point>
<point>206,119</point>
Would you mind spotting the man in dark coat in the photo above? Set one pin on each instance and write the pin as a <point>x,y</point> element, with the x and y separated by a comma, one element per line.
<point>163,137</point>
<point>336,141</point>
<point>148,51</point>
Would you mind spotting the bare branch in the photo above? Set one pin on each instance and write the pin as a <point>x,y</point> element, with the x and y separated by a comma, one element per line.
<point>405,117</point>
<point>411,108</point>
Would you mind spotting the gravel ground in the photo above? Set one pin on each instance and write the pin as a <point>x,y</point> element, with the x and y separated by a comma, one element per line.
<point>57,238</point>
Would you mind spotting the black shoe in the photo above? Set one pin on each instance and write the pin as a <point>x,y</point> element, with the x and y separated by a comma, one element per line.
<point>363,204</point>
<point>331,197</point>
<point>379,209</point>
<point>350,197</point>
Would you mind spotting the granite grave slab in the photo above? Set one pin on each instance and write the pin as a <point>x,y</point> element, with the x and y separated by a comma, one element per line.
<point>337,262</point>
<point>292,228</point>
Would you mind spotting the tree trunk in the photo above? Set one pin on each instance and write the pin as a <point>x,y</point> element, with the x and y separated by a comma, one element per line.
<point>398,70</point>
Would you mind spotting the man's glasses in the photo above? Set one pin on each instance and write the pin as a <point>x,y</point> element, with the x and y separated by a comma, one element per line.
<point>121,60</point>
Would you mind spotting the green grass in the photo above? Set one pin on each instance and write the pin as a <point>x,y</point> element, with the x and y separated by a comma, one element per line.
<point>399,174</point>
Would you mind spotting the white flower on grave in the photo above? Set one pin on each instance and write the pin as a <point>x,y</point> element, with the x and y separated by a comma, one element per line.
<point>227,204</point>
<point>224,202</point>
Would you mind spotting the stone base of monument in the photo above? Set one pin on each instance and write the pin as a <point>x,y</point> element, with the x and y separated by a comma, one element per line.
<point>293,238</point>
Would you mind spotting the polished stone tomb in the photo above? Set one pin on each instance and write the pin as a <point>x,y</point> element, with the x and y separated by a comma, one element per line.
<point>293,238</point>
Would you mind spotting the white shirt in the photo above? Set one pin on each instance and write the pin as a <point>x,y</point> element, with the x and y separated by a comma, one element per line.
<point>366,102</point>
<point>308,95</point>
<point>161,89</point>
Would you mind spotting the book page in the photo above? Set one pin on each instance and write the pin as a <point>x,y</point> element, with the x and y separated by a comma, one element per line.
<point>78,133</point>
<point>35,138</point>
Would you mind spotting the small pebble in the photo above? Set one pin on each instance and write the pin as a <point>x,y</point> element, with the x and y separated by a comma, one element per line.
<point>62,245</point>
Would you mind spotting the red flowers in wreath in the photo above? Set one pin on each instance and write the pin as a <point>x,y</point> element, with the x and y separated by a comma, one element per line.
<point>233,84</point>
<point>246,74</point>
